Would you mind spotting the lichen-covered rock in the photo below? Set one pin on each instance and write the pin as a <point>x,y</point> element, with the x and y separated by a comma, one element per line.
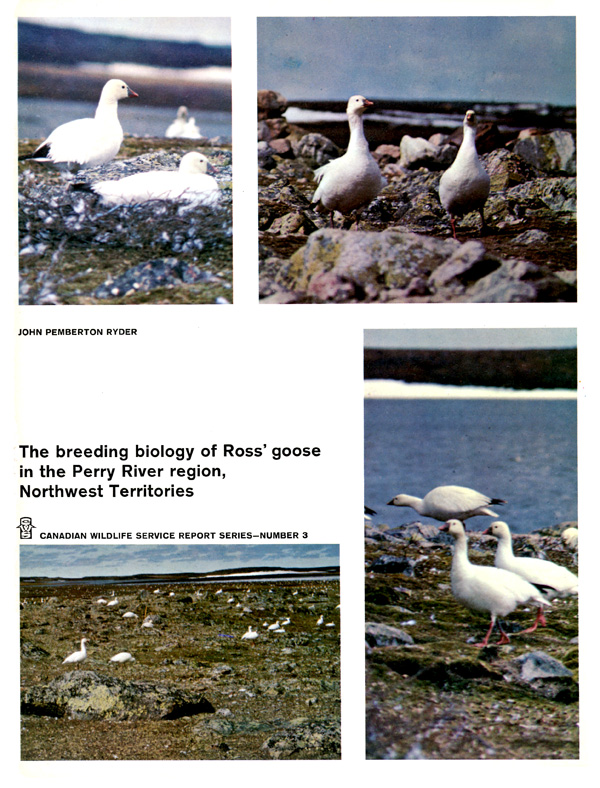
<point>87,695</point>
<point>552,152</point>
<point>303,737</point>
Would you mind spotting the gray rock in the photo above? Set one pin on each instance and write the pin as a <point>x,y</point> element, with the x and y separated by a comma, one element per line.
<point>538,237</point>
<point>316,149</point>
<point>469,263</point>
<point>544,675</point>
<point>383,635</point>
<point>539,665</point>
<point>390,564</point>
<point>417,152</point>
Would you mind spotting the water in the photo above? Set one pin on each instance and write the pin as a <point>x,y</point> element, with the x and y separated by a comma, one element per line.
<point>38,117</point>
<point>523,451</point>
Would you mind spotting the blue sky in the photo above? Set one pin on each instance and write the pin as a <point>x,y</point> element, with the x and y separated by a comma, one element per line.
<point>490,58</point>
<point>91,560</point>
<point>471,338</point>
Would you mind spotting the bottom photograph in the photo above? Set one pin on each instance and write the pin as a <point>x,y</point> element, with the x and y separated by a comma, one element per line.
<point>180,652</point>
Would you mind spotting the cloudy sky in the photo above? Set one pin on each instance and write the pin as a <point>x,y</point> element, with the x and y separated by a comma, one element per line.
<point>489,58</point>
<point>208,30</point>
<point>471,338</point>
<point>91,560</point>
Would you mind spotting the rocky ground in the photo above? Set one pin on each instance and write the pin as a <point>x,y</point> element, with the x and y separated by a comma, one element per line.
<point>196,690</point>
<point>404,251</point>
<point>74,250</point>
<point>431,693</point>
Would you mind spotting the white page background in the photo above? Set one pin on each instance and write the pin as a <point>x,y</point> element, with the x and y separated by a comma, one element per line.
<point>281,375</point>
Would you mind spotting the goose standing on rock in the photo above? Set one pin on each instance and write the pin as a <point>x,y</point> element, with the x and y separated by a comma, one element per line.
<point>349,183</point>
<point>487,588</point>
<point>77,656</point>
<point>90,141</point>
<point>449,502</point>
<point>465,185</point>
<point>554,579</point>
<point>190,183</point>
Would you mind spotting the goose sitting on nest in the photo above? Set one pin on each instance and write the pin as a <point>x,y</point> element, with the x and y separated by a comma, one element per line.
<point>487,588</point>
<point>90,141</point>
<point>123,656</point>
<point>449,502</point>
<point>349,183</point>
<point>190,183</point>
<point>465,185</point>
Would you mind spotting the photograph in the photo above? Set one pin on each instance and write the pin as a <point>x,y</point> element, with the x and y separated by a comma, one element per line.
<point>180,652</point>
<point>417,159</point>
<point>471,525</point>
<point>125,161</point>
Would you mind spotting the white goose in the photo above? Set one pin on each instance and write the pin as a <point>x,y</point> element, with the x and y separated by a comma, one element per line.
<point>487,588</point>
<point>556,580</point>
<point>449,502</point>
<point>183,126</point>
<point>250,634</point>
<point>465,185</point>
<point>77,656</point>
<point>90,141</point>
<point>190,183</point>
<point>570,537</point>
<point>352,181</point>
<point>123,656</point>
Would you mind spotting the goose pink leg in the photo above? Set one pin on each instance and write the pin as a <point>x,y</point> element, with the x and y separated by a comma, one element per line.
<point>539,619</point>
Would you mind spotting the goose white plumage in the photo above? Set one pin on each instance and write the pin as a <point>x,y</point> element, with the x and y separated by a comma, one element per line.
<point>87,142</point>
<point>465,185</point>
<point>183,126</point>
<point>449,502</point>
<point>488,588</point>
<point>77,656</point>
<point>129,615</point>
<point>190,183</point>
<point>250,634</point>
<point>274,626</point>
<point>556,580</point>
<point>352,181</point>
<point>123,656</point>
<point>570,537</point>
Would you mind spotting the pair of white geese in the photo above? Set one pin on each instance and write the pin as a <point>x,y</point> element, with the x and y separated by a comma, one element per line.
<point>90,142</point>
<point>350,183</point>
<point>347,184</point>
<point>500,589</point>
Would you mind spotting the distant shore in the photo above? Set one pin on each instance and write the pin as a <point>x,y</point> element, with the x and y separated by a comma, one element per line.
<point>515,369</point>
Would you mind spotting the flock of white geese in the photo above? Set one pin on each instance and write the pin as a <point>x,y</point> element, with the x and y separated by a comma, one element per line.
<point>513,580</point>
<point>251,634</point>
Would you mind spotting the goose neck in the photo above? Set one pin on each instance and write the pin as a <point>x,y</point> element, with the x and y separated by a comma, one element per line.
<point>357,134</point>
